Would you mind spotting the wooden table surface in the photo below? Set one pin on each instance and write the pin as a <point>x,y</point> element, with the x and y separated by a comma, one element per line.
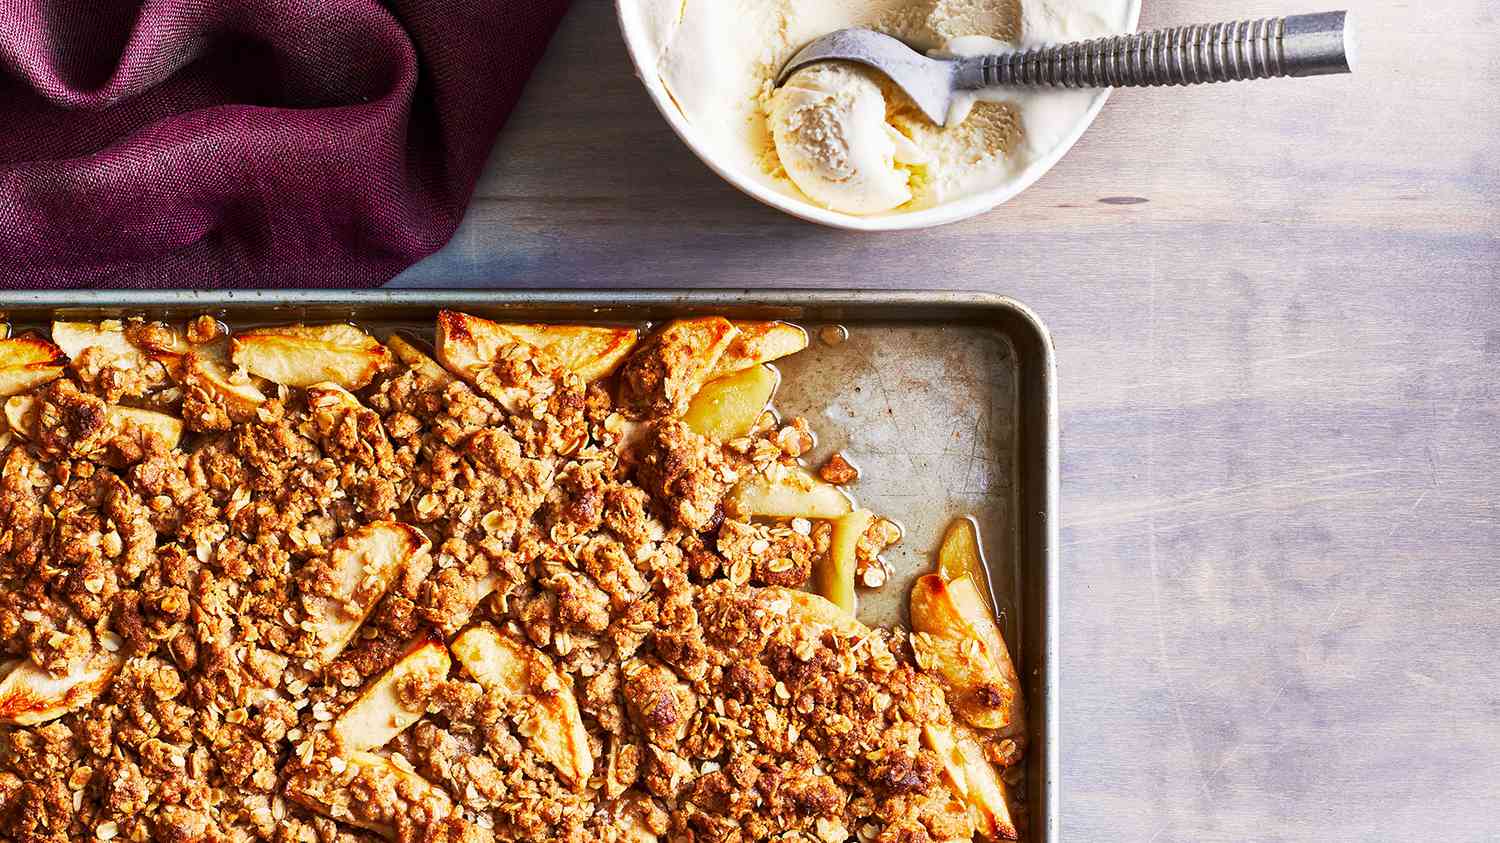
<point>1278,317</point>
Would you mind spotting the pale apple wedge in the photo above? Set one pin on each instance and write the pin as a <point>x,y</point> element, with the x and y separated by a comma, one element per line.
<point>108,338</point>
<point>757,343</point>
<point>940,739</point>
<point>20,418</point>
<point>981,620</point>
<point>130,345</point>
<point>988,803</point>
<point>4,330</point>
<point>787,492</point>
<point>960,556</point>
<point>339,795</point>
<point>418,360</point>
<point>169,428</point>
<point>816,610</point>
<point>495,661</point>
<point>361,567</point>
<point>957,637</point>
<point>330,397</point>
<point>380,713</point>
<point>591,351</point>
<point>627,818</point>
<point>30,695</point>
<point>302,355</point>
<point>547,711</point>
<point>28,362</point>
<point>663,374</point>
<point>834,574</point>
<point>728,407</point>
<point>236,392</point>
<point>466,344</point>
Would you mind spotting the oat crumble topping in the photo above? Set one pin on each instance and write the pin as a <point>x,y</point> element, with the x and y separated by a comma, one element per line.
<point>232,618</point>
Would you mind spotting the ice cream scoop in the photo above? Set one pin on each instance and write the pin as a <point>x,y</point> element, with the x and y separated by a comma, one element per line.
<point>829,126</point>
<point>1300,45</point>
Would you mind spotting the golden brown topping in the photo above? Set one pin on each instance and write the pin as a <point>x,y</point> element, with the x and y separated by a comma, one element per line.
<point>228,608</point>
<point>661,705</point>
<point>204,329</point>
<point>687,473</point>
<point>838,471</point>
<point>667,370</point>
<point>765,555</point>
<point>371,792</point>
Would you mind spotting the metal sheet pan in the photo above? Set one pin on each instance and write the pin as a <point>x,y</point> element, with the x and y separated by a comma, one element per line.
<point>946,401</point>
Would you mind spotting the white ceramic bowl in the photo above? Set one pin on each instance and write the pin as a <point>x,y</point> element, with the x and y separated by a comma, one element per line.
<point>637,42</point>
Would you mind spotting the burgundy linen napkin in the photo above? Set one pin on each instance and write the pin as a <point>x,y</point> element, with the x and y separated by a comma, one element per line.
<point>248,143</point>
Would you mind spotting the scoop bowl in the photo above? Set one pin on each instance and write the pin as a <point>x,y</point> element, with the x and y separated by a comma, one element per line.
<point>642,35</point>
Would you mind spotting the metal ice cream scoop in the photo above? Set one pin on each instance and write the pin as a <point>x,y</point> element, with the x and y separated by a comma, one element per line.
<point>1300,45</point>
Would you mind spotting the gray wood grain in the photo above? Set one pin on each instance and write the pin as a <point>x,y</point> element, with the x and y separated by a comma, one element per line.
<point>1281,456</point>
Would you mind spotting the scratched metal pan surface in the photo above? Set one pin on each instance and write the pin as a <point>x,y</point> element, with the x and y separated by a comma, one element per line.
<point>945,401</point>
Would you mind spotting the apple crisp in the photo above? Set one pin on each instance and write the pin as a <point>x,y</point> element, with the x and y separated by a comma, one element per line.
<point>574,583</point>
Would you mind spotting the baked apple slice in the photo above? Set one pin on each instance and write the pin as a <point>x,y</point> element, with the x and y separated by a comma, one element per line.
<point>667,370</point>
<point>757,343</point>
<point>728,407</point>
<point>834,575</point>
<point>204,367</point>
<point>360,568</point>
<point>107,337</point>
<point>418,360</point>
<point>303,355</point>
<point>939,738</point>
<point>168,427</point>
<point>339,787</point>
<point>20,417</point>
<point>546,709</point>
<point>30,695</point>
<point>229,387</point>
<point>467,344</point>
<point>382,712</point>
<point>814,610</point>
<point>28,362</point>
<point>787,492</point>
<point>957,636</point>
<point>989,804</point>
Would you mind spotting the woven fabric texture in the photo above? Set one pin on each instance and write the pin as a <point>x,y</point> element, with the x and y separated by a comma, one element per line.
<point>248,143</point>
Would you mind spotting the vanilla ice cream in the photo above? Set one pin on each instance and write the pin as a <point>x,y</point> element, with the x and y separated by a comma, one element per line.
<point>842,136</point>
<point>832,139</point>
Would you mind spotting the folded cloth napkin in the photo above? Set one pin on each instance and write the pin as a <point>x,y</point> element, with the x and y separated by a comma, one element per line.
<point>248,143</point>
